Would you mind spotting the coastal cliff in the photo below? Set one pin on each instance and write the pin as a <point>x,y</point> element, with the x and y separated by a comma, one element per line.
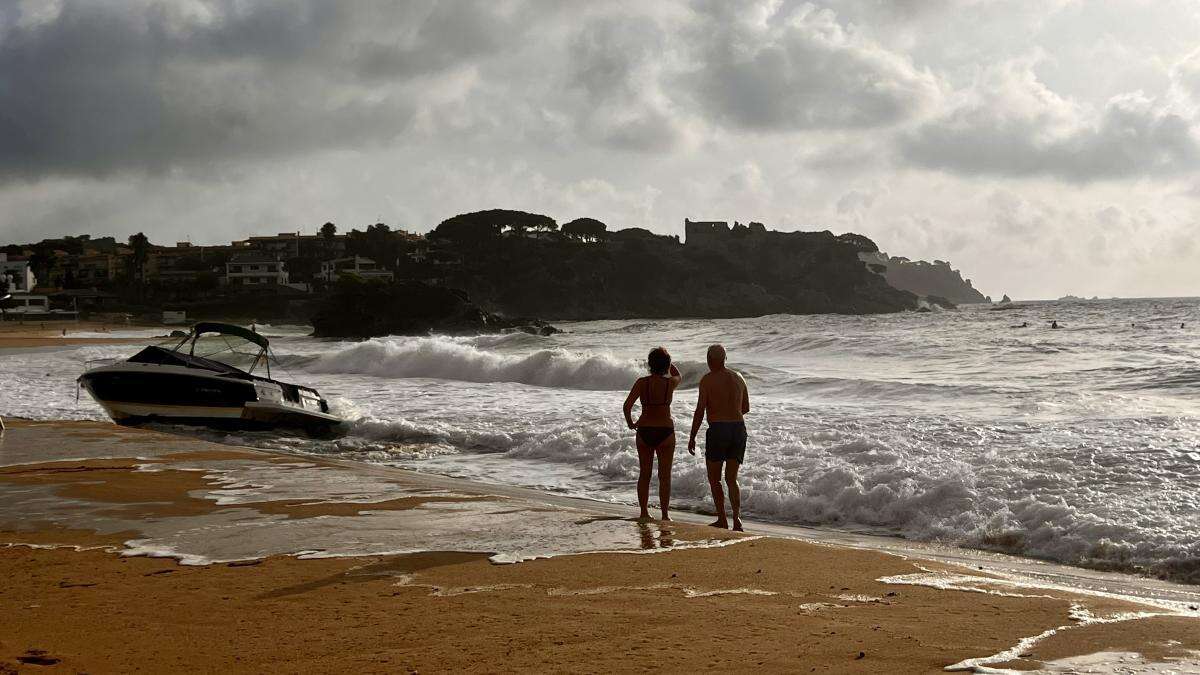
<point>526,267</point>
<point>927,280</point>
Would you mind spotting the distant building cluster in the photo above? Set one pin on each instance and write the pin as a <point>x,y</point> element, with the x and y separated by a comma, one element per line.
<point>80,274</point>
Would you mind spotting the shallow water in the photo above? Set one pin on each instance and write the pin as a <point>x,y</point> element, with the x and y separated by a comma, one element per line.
<point>1080,445</point>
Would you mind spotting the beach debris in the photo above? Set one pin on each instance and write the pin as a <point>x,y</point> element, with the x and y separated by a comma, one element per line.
<point>861,655</point>
<point>245,563</point>
<point>66,584</point>
<point>37,657</point>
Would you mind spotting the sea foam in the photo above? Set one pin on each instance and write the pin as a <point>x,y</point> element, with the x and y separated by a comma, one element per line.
<point>450,359</point>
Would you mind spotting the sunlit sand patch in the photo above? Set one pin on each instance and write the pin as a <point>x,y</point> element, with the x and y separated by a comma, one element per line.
<point>1023,648</point>
<point>1112,609</point>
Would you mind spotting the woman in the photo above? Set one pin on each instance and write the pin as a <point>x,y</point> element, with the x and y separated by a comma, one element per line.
<point>655,428</point>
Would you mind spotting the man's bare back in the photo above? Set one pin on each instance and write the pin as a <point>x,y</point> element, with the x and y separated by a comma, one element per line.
<point>723,395</point>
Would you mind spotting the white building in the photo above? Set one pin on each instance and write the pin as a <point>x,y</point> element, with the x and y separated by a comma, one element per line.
<point>253,269</point>
<point>363,268</point>
<point>26,304</point>
<point>17,273</point>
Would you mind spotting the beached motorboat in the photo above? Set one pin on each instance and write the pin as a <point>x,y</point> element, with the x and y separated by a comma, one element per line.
<point>174,384</point>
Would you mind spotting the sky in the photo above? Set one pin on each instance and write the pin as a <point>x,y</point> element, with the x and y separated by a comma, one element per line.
<point>1043,147</point>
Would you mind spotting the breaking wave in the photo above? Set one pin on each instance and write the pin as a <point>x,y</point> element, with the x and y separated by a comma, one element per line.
<point>452,359</point>
<point>838,480</point>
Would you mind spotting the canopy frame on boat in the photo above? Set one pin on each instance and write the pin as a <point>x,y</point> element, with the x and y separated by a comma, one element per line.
<point>217,328</point>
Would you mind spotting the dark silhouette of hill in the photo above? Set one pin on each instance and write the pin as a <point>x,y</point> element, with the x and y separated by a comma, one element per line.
<point>521,264</point>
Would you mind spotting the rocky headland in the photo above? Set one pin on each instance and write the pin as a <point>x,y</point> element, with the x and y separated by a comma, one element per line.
<point>927,280</point>
<point>522,266</point>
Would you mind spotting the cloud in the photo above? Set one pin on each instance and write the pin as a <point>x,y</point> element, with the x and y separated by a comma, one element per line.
<point>98,87</point>
<point>746,179</point>
<point>1011,124</point>
<point>855,202</point>
<point>613,72</point>
<point>763,69</point>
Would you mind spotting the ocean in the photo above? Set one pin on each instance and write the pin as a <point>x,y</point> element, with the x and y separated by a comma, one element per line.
<point>1079,445</point>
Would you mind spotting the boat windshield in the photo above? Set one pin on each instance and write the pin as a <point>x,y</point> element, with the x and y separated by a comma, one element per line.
<point>226,344</point>
<point>227,349</point>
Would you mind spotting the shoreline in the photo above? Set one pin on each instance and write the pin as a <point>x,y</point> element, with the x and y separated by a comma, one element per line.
<point>1049,572</point>
<point>328,562</point>
<point>15,334</point>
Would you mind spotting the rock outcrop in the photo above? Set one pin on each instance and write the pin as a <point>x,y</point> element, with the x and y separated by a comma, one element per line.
<point>361,309</point>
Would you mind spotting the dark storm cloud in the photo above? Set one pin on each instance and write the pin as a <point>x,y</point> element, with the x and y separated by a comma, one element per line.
<point>102,87</point>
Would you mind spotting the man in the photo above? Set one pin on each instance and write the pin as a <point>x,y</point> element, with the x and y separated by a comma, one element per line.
<point>724,400</point>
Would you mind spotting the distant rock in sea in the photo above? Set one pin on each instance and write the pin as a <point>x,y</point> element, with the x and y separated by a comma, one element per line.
<point>1005,300</point>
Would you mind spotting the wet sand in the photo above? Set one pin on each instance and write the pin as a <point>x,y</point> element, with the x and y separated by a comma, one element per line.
<point>80,500</point>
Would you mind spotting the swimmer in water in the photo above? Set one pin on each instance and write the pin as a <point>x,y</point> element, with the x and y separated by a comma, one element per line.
<point>1054,324</point>
<point>655,428</point>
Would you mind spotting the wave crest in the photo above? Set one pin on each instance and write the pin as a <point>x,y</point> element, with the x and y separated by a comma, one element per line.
<point>449,359</point>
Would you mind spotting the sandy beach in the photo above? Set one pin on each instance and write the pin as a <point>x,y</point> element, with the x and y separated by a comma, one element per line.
<point>130,549</point>
<point>24,334</point>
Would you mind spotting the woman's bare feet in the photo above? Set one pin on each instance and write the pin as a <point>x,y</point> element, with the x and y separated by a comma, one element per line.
<point>722,523</point>
<point>665,518</point>
<point>737,525</point>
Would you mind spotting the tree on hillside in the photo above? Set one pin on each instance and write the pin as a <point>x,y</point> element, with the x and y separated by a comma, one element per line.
<point>586,229</point>
<point>328,232</point>
<point>140,244</point>
<point>859,241</point>
<point>481,226</point>
<point>302,270</point>
<point>40,262</point>
<point>379,243</point>
<point>383,244</point>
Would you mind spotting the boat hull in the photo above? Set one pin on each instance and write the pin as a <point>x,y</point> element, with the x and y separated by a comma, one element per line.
<point>136,394</point>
